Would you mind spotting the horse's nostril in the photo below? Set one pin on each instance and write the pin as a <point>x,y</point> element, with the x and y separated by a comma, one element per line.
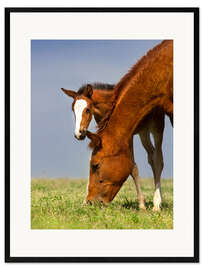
<point>82,131</point>
<point>89,202</point>
<point>82,137</point>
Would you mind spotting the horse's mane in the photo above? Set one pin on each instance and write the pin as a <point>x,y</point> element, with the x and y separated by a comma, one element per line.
<point>125,79</point>
<point>96,85</point>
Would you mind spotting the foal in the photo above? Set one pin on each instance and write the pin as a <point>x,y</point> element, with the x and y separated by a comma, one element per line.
<point>146,89</point>
<point>89,100</point>
<point>97,100</point>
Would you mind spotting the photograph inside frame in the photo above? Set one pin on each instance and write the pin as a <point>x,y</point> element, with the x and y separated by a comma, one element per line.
<point>117,97</point>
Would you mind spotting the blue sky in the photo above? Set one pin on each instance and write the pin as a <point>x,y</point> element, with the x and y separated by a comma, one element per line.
<point>69,64</point>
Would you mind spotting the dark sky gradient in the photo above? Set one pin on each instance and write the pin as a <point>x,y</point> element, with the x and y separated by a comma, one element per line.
<point>69,64</point>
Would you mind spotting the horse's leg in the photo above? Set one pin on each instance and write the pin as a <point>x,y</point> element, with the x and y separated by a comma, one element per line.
<point>157,132</point>
<point>135,176</point>
<point>146,142</point>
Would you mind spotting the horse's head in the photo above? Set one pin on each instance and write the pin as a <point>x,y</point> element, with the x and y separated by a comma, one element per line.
<point>82,107</point>
<point>107,172</point>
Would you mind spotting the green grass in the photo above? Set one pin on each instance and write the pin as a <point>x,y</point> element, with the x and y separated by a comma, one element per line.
<point>57,204</point>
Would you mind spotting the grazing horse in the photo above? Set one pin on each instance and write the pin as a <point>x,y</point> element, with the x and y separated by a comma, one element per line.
<point>99,101</point>
<point>147,89</point>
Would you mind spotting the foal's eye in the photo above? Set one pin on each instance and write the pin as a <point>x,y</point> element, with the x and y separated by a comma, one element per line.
<point>101,181</point>
<point>87,110</point>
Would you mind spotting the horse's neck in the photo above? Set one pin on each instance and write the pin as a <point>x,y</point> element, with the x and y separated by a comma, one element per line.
<point>149,88</point>
<point>127,115</point>
<point>102,101</point>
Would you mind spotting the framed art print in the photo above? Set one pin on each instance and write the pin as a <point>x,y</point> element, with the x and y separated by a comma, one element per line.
<point>125,82</point>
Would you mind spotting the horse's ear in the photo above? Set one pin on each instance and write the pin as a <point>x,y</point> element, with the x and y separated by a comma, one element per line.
<point>95,140</point>
<point>69,93</point>
<point>88,91</point>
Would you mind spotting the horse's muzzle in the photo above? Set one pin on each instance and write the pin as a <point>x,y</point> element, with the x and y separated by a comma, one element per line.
<point>81,135</point>
<point>91,202</point>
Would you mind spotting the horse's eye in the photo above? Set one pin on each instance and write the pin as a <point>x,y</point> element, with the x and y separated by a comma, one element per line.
<point>95,167</point>
<point>101,181</point>
<point>87,110</point>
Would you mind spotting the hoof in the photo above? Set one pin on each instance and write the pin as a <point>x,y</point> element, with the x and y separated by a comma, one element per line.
<point>142,206</point>
<point>156,209</point>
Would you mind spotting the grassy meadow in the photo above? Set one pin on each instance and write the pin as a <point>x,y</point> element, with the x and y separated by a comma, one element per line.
<point>57,204</point>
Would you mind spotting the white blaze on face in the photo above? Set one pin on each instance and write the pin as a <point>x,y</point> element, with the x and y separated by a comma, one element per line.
<point>79,106</point>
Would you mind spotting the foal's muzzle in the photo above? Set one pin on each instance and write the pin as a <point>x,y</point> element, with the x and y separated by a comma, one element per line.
<point>81,135</point>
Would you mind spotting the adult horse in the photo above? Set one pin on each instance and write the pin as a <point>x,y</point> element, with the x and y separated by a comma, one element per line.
<point>146,89</point>
<point>97,100</point>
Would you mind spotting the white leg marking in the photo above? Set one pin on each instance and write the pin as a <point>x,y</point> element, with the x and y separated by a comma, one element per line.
<point>157,199</point>
<point>78,109</point>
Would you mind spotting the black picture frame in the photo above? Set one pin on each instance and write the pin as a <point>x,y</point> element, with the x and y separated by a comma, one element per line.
<point>8,257</point>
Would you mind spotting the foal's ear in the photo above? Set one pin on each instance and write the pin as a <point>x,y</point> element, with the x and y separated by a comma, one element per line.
<point>69,93</point>
<point>88,91</point>
<point>95,140</point>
